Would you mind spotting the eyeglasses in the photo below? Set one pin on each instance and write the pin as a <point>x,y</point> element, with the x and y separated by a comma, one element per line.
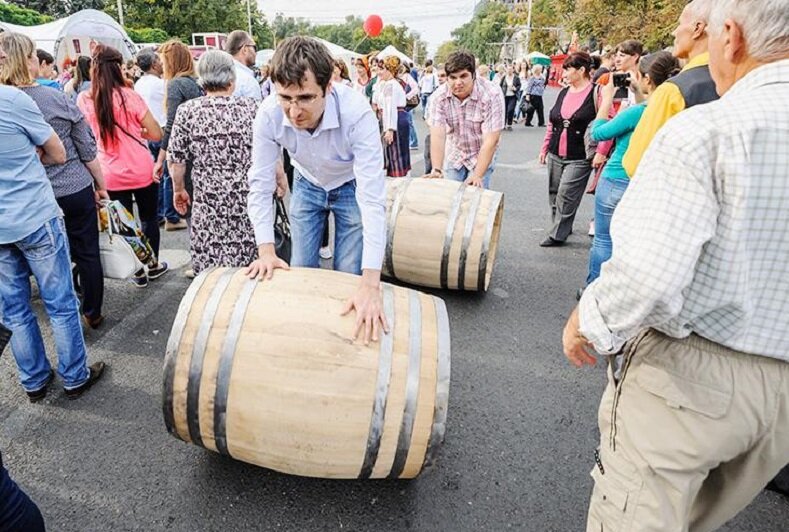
<point>299,101</point>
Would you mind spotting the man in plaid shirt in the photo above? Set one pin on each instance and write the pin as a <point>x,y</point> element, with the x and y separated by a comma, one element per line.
<point>695,298</point>
<point>468,112</point>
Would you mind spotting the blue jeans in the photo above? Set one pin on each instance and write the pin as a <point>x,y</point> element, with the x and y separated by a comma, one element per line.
<point>17,511</point>
<point>607,196</point>
<point>463,173</point>
<point>45,254</point>
<point>413,141</point>
<point>166,210</point>
<point>424,97</point>
<point>309,207</point>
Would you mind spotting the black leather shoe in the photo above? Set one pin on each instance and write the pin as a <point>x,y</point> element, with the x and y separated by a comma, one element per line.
<point>96,371</point>
<point>5,337</point>
<point>39,394</point>
<point>550,242</point>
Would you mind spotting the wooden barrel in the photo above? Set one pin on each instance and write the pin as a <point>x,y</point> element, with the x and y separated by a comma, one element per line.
<point>266,373</point>
<point>441,233</point>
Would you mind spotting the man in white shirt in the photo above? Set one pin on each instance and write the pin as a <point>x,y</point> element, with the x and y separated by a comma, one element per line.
<point>695,418</point>
<point>151,88</point>
<point>334,144</point>
<point>242,47</point>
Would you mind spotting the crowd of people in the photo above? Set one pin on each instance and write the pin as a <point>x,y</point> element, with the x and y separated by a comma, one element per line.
<point>686,284</point>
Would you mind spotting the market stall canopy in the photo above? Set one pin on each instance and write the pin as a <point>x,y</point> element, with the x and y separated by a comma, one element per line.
<point>70,37</point>
<point>391,50</point>
<point>263,57</point>
<point>536,58</point>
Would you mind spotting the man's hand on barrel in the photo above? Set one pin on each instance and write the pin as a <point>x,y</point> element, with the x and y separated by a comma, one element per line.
<point>436,173</point>
<point>369,305</point>
<point>576,347</point>
<point>263,267</point>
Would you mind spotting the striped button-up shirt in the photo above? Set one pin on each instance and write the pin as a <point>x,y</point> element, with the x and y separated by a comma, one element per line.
<point>701,237</point>
<point>467,120</point>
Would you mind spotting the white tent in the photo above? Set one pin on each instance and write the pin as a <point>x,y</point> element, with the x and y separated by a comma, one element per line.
<point>263,56</point>
<point>338,52</point>
<point>71,36</point>
<point>391,50</point>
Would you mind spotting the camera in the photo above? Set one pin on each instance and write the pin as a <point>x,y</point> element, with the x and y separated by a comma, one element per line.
<point>622,80</point>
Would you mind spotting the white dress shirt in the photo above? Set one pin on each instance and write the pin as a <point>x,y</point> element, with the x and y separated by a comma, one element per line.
<point>701,237</point>
<point>389,97</point>
<point>345,146</point>
<point>151,89</point>
<point>246,84</point>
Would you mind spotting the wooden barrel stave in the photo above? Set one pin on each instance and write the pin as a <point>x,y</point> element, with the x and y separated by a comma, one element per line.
<point>338,407</point>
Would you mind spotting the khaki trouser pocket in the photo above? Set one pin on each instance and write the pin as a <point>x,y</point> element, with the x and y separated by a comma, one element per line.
<point>617,488</point>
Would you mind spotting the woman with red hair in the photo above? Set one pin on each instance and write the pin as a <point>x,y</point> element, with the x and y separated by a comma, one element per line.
<point>122,124</point>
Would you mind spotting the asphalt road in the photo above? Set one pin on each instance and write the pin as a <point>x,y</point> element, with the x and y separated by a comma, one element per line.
<point>521,426</point>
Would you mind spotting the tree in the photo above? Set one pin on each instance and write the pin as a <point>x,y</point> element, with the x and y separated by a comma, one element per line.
<point>485,32</point>
<point>59,8</point>
<point>444,50</point>
<point>147,35</point>
<point>21,16</point>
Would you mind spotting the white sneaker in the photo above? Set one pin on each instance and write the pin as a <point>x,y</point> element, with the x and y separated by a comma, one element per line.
<point>325,253</point>
<point>591,228</point>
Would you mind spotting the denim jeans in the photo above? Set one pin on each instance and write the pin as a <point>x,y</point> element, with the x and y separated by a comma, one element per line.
<point>607,196</point>
<point>45,254</point>
<point>424,97</point>
<point>463,173</point>
<point>309,207</point>
<point>17,511</point>
<point>413,140</point>
<point>166,210</point>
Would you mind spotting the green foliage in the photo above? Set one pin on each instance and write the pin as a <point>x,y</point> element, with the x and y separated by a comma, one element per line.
<point>59,8</point>
<point>483,31</point>
<point>444,50</point>
<point>350,35</point>
<point>21,16</point>
<point>147,35</point>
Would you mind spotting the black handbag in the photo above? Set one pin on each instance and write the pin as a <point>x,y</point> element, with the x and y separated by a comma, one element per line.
<point>282,240</point>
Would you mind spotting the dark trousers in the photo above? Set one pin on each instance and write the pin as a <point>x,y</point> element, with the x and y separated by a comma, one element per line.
<point>566,186</point>
<point>79,212</point>
<point>17,512</point>
<point>509,102</point>
<point>147,200</point>
<point>536,106</point>
<point>428,160</point>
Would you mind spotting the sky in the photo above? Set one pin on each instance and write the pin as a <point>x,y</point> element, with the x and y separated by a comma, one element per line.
<point>433,19</point>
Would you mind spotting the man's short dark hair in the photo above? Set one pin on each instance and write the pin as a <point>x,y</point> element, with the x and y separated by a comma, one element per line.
<point>460,61</point>
<point>236,41</point>
<point>44,57</point>
<point>295,56</point>
<point>146,59</point>
<point>428,63</point>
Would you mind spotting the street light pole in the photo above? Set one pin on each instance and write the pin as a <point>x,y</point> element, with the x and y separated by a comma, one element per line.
<point>528,28</point>
<point>120,12</point>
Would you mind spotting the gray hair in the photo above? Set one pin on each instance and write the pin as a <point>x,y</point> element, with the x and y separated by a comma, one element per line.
<point>216,70</point>
<point>764,23</point>
<point>536,70</point>
<point>701,9</point>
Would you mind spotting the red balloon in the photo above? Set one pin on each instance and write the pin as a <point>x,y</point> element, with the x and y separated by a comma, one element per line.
<point>373,26</point>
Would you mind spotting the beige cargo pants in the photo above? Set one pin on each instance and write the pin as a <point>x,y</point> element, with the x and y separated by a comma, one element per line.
<point>688,437</point>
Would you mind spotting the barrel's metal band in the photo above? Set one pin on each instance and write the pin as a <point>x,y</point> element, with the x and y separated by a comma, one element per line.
<point>226,365</point>
<point>198,355</point>
<point>411,386</point>
<point>443,372</point>
<point>495,205</point>
<point>451,222</point>
<point>471,217</point>
<point>381,388</point>
<point>390,230</point>
<point>173,346</point>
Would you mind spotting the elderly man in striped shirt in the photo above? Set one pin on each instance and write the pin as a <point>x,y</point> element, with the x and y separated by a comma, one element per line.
<point>695,298</point>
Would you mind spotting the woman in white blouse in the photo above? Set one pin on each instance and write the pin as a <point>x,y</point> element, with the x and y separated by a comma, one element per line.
<point>390,101</point>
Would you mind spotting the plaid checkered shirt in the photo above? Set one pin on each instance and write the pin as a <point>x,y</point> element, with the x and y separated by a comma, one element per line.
<point>468,120</point>
<point>701,237</point>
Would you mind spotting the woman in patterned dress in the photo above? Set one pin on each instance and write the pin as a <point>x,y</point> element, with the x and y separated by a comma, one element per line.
<point>390,101</point>
<point>213,135</point>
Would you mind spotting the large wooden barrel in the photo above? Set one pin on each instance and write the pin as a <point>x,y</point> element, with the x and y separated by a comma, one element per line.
<point>441,233</point>
<point>266,373</point>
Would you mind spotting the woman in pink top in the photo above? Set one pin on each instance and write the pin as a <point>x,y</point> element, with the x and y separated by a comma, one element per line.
<point>121,123</point>
<point>565,150</point>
